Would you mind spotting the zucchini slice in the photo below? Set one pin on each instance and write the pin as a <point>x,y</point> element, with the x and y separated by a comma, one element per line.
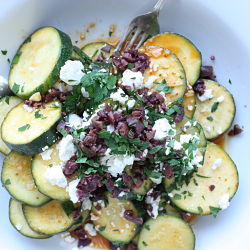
<point>93,50</point>
<point>81,221</point>
<point>19,222</point>
<point>216,115</point>
<point>30,132</point>
<point>209,185</point>
<point>36,65</point>
<point>48,219</point>
<point>168,70</point>
<point>38,169</point>
<point>17,178</point>
<point>184,49</point>
<point>78,54</point>
<point>166,233</point>
<point>172,211</point>
<point>6,104</point>
<point>111,223</point>
<point>189,102</point>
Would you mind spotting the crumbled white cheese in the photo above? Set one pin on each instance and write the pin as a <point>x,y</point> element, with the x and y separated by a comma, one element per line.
<point>197,158</point>
<point>206,96</point>
<point>19,226</point>
<point>86,204</point>
<point>46,154</point>
<point>216,164</point>
<point>72,190</point>
<point>55,176</point>
<point>89,228</point>
<point>119,96</point>
<point>208,129</point>
<point>190,108</point>
<point>66,148</point>
<point>220,99</point>
<point>45,148</point>
<point>69,239</point>
<point>3,83</point>
<point>168,150</point>
<point>185,138</point>
<point>72,72</point>
<point>162,128</point>
<point>116,163</point>
<point>177,145</point>
<point>219,131</point>
<point>131,104</point>
<point>132,79</point>
<point>74,121</point>
<point>85,93</point>
<point>145,153</point>
<point>154,203</point>
<point>36,97</point>
<point>170,195</point>
<point>150,82</point>
<point>62,87</point>
<point>110,128</point>
<point>27,108</point>
<point>93,217</point>
<point>224,201</point>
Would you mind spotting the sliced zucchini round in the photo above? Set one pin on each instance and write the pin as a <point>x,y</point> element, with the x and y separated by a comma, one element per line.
<point>93,50</point>
<point>19,222</point>
<point>168,71</point>
<point>111,223</point>
<point>216,115</point>
<point>184,49</point>
<point>17,178</point>
<point>166,233</point>
<point>48,219</point>
<point>36,65</point>
<point>30,132</point>
<point>78,54</point>
<point>6,104</point>
<point>172,211</point>
<point>81,221</point>
<point>209,184</point>
<point>38,169</point>
<point>189,103</point>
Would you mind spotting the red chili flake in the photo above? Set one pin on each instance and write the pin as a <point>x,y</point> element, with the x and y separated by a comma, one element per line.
<point>211,187</point>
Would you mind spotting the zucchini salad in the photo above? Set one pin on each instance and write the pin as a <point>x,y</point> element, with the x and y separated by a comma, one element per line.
<point>114,147</point>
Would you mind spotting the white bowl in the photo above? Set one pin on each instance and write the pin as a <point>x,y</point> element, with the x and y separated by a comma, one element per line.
<point>218,28</point>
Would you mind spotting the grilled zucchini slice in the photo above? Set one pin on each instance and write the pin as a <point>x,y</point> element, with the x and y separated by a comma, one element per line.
<point>184,49</point>
<point>166,233</point>
<point>36,65</point>
<point>17,178</point>
<point>6,104</point>
<point>48,219</point>
<point>216,115</point>
<point>168,71</point>
<point>38,169</point>
<point>218,177</point>
<point>30,132</point>
<point>19,222</point>
<point>111,223</point>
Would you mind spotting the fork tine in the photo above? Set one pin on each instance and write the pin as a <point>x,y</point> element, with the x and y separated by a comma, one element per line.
<point>142,40</point>
<point>125,37</point>
<point>134,38</point>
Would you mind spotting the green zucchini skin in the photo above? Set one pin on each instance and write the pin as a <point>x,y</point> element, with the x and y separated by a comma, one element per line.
<point>39,142</point>
<point>16,217</point>
<point>53,75</point>
<point>78,54</point>
<point>16,169</point>
<point>4,109</point>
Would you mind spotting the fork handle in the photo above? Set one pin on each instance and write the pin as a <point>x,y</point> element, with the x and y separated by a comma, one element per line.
<point>158,6</point>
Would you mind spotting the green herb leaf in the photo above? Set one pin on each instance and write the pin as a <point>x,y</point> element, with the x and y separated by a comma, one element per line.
<point>82,160</point>
<point>177,197</point>
<point>39,115</point>
<point>214,211</point>
<point>4,52</point>
<point>229,81</point>
<point>147,227</point>
<point>210,118</point>
<point>144,243</point>
<point>7,100</point>
<point>131,65</point>
<point>101,229</point>
<point>7,182</point>
<point>214,107</point>
<point>15,88</point>
<point>24,127</point>
<point>200,210</point>
<point>155,150</point>
<point>63,132</point>
<point>68,207</point>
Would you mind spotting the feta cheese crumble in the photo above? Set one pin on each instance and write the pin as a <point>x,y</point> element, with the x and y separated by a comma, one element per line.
<point>154,203</point>
<point>46,154</point>
<point>162,128</point>
<point>71,72</point>
<point>86,204</point>
<point>216,164</point>
<point>66,148</point>
<point>119,96</point>
<point>116,163</point>
<point>220,99</point>
<point>72,190</point>
<point>68,239</point>
<point>150,82</point>
<point>132,79</point>
<point>27,108</point>
<point>224,201</point>
<point>55,176</point>
<point>131,104</point>
<point>206,96</point>
<point>89,228</point>
<point>19,226</point>
<point>74,121</point>
<point>85,93</point>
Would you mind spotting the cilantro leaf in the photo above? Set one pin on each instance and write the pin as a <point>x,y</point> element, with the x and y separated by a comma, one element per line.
<point>68,207</point>
<point>214,107</point>
<point>4,52</point>
<point>24,127</point>
<point>214,211</point>
<point>15,88</point>
<point>7,182</point>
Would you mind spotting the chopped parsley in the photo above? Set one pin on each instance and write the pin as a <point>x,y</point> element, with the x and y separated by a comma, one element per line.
<point>214,211</point>
<point>68,207</point>
<point>144,243</point>
<point>147,227</point>
<point>39,115</point>
<point>7,182</point>
<point>214,107</point>
<point>163,87</point>
<point>4,52</point>
<point>200,210</point>
<point>229,81</point>
<point>15,88</point>
<point>101,229</point>
<point>24,127</point>
<point>210,118</point>
<point>7,100</point>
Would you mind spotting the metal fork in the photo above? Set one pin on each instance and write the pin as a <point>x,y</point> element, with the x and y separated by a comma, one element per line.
<point>141,28</point>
